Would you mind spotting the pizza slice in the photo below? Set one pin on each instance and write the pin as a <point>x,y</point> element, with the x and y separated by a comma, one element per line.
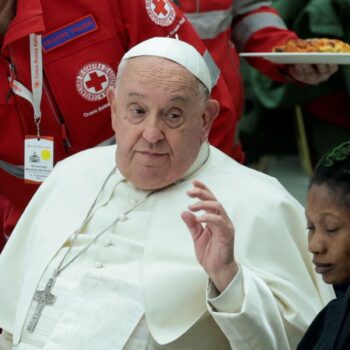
<point>314,45</point>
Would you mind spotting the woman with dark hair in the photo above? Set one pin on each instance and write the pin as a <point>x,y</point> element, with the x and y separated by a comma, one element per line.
<point>328,215</point>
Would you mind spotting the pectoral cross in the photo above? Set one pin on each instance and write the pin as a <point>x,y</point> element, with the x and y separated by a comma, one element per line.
<point>43,298</point>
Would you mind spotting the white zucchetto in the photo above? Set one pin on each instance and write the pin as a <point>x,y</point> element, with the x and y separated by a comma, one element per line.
<point>175,50</point>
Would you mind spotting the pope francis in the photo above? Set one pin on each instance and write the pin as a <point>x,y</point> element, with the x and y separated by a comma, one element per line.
<point>133,246</point>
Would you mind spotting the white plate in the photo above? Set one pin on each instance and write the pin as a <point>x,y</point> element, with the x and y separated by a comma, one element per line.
<point>302,57</point>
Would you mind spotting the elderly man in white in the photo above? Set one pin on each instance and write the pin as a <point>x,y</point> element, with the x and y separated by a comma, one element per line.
<point>133,247</point>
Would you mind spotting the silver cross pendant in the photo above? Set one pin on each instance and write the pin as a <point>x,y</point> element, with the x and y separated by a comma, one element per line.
<point>43,298</point>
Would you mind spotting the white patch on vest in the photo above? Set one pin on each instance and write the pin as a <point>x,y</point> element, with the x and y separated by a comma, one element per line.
<point>161,12</point>
<point>93,80</point>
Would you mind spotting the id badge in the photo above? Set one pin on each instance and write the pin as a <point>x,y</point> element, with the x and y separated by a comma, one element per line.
<point>38,158</point>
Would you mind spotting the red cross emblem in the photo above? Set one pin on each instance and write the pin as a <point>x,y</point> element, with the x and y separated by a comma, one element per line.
<point>161,12</point>
<point>96,81</point>
<point>93,80</point>
<point>159,7</point>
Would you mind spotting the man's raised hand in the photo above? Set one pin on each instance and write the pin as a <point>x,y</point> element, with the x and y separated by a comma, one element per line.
<point>213,235</point>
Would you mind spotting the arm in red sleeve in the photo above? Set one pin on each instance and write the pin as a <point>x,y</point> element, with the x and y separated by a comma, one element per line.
<point>260,30</point>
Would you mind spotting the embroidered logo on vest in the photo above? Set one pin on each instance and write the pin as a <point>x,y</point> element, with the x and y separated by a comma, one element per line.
<point>93,80</point>
<point>161,12</point>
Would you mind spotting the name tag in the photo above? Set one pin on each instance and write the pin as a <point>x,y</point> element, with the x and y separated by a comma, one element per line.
<point>68,33</point>
<point>38,159</point>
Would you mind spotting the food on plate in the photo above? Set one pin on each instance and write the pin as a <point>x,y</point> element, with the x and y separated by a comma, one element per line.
<point>314,45</point>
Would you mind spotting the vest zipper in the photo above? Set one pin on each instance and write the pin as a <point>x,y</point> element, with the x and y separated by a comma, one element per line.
<point>12,78</point>
<point>59,118</point>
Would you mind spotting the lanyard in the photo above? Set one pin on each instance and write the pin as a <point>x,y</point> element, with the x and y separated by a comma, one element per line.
<point>36,70</point>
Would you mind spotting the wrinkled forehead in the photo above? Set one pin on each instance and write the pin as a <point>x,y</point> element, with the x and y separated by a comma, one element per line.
<point>157,70</point>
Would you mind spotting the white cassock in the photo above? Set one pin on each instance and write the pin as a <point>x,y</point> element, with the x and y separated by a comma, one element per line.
<point>140,285</point>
